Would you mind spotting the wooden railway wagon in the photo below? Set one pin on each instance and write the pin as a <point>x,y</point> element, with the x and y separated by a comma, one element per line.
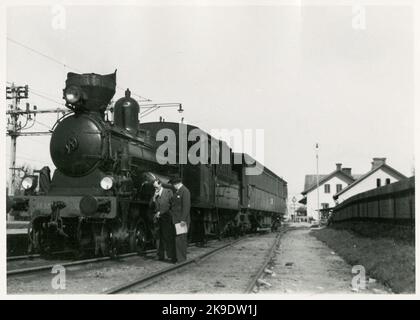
<point>263,197</point>
<point>224,198</point>
<point>214,187</point>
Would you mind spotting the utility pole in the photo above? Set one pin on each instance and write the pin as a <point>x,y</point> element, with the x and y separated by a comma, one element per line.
<point>294,208</point>
<point>14,126</point>
<point>317,182</point>
<point>14,93</point>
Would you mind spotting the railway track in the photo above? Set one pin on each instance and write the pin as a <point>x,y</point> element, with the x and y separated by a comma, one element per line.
<point>145,274</point>
<point>48,266</point>
<point>257,278</point>
<point>95,275</point>
<point>37,256</point>
<point>23,257</point>
<point>160,273</point>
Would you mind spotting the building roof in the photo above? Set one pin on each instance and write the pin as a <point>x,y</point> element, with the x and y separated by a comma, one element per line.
<point>391,171</point>
<point>310,179</point>
<point>304,200</point>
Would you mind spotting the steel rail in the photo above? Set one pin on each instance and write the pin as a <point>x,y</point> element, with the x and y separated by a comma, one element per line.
<point>28,257</point>
<point>71,263</point>
<point>267,260</point>
<point>36,255</point>
<point>167,270</point>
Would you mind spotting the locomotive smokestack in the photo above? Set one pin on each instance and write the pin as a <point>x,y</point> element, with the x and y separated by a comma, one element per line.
<point>89,92</point>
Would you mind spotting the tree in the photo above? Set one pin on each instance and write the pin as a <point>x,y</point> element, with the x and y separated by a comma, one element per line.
<point>301,211</point>
<point>25,169</point>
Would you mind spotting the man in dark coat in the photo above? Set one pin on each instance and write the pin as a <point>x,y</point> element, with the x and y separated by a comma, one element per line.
<point>181,205</point>
<point>162,200</point>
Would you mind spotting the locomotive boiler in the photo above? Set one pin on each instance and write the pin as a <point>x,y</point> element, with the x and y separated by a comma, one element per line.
<point>98,198</point>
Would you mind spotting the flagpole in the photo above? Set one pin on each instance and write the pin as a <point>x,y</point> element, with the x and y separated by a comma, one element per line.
<point>317,182</point>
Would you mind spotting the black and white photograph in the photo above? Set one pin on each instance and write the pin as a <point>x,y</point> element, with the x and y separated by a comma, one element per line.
<point>209,149</point>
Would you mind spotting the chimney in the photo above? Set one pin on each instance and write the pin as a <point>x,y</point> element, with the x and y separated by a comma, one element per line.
<point>347,171</point>
<point>377,162</point>
<point>338,166</point>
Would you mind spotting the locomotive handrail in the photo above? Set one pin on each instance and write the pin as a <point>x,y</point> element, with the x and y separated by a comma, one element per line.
<point>68,113</point>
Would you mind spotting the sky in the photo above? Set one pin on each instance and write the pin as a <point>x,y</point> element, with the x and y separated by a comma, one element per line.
<point>340,76</point>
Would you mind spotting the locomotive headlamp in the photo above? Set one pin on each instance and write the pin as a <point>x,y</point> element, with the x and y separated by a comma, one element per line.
<point>107,183</point>
<point>72,94</point>
<point>27,183</point>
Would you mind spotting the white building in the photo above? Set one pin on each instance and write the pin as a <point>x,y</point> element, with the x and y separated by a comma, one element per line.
<point>380,174</point>
<point>342,184</point>
<point>329,185</point>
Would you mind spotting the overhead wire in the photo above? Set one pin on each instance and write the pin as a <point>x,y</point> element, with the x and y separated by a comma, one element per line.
<point>43,124</point>
<point>42,54</point>
<point>30,159</point>
<point>46,56</point>
<point>46,97</point>
<point>65,65</point>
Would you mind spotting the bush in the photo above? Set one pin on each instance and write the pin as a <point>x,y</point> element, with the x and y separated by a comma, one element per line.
<point>391,261</point>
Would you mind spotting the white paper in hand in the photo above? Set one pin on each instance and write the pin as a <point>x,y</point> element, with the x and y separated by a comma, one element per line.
<point>181,228</point>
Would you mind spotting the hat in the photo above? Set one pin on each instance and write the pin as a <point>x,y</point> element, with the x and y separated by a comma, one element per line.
<point>175,179</point>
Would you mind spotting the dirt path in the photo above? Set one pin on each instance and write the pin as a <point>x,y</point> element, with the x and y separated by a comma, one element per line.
<point>305,265</point>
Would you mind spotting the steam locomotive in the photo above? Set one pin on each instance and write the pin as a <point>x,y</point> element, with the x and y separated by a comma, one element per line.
<point>98,198</point>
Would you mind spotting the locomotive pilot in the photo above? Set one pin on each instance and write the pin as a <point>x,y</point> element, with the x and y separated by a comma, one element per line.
<point>181,205</point>
<point>162,200</point>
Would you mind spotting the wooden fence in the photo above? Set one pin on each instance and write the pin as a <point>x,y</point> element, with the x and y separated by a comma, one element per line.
<point>394,202</point>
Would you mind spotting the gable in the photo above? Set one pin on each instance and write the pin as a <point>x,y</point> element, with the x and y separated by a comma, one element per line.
<point>369,178</point>
<point>336,174</point>
<point>392,172</point>
<point>310,180</point>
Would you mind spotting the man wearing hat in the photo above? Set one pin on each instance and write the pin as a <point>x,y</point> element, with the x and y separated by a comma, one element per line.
<point>162,200</point>
<point>181,205</point>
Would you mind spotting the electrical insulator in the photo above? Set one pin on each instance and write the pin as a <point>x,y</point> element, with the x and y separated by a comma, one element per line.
<point>9,93</point>
<point>22,92</point>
